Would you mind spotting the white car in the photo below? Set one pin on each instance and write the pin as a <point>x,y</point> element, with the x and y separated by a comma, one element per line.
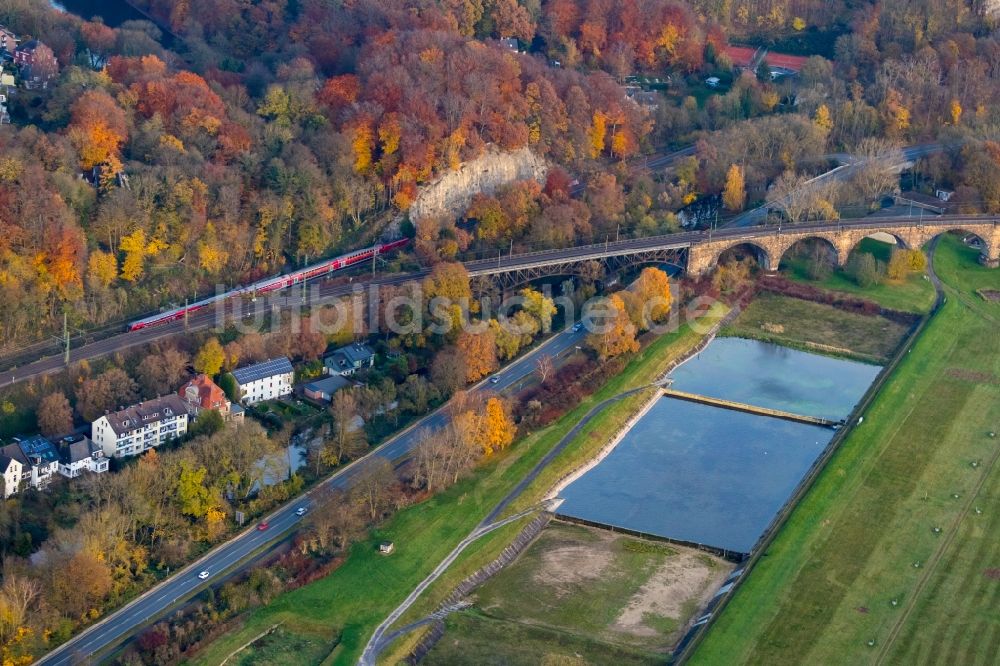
<point>495,379</point>
<point>577,326</point>
<point>203,575</point>
<point>301,511</point>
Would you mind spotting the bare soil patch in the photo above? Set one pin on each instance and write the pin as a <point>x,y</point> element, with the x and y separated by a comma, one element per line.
<point>685,581</point>
<point>991,295</point>
<point>575,563</point>
<point>973,376</point>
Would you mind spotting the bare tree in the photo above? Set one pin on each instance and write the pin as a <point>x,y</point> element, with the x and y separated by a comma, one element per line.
<point>544,366</point>
<point>372,486</point>
<point>877,168</point>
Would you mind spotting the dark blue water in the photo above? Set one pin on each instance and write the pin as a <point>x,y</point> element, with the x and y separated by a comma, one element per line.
<point>113,12</point>
<point>696,473</point>
<point>714,476</point>
<point>768,375</point>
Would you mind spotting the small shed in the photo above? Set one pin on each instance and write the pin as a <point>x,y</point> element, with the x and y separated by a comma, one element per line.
<point>386,547</point>
<point>323,389</point>
<point>713,81</point>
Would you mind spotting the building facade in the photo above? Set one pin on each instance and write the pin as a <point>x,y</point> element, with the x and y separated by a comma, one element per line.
<point>37,457</point>
<point>37,64</point>
<point>10,471</point>
<point>79,454</point>
<point>265,381</point>
<point>348,360</point>
<point>141,427</point>
<point>201,393</point>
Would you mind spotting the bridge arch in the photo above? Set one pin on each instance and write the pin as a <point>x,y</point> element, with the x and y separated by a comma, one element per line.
<point>760,252</point>
<point>829,245</point>
<point>988,250</point>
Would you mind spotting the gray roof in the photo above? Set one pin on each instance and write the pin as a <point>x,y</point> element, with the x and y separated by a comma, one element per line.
<point>5,462</point>
<point>328,384</point>
<point>147,413</point>
<point>75,448</point>
<point>356,353</point>
<point>269,368</point>
<point>14,452</point>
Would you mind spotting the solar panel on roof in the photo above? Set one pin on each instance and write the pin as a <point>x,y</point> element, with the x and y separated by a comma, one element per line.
<point>269,368</point>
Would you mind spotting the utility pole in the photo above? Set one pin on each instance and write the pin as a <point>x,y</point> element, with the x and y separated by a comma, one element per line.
<point>66,337</point>
<point>374,254</point>
<point>186,325</point>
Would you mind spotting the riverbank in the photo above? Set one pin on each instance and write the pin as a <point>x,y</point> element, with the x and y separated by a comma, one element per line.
<point>864,535</point>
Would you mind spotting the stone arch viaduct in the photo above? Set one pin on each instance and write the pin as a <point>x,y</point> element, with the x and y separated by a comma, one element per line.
<point>699,251</point>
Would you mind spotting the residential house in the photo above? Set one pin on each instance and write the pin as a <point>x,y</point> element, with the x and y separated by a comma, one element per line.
<point>42,456</point>
<point>348,360</point>
<point>8,40</point>
<point>322,390</point>
<point>512,44</point>
<point>265,381</point>
<point>10,470</point>
<point>37,63</point>
<point>79,454</point>
<point>141,427</point>
<point>202,393</point>
<point>37,457</point>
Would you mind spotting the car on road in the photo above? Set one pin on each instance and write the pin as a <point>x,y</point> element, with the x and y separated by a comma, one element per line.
<point>301,511</point>
<point>577,326</point>
<point>495,379</point>
<point>203,575</point>
<point>262,526</point>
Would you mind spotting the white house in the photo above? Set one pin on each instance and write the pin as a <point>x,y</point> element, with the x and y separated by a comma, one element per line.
<point>37,457</point>
<point>79,454</point>
<point>10,469</point>
<point>348,360</point>
<point>140,427</point>
<point>265,381</point>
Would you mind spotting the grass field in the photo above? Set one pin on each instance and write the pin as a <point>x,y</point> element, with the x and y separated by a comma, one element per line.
<point>817,327</point>
<point>864,536</point>
<point>611,597</point>
<point>345,607</point>
<point>915,294</point>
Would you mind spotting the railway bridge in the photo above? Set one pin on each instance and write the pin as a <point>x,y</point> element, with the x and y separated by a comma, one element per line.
<point>699,251</point>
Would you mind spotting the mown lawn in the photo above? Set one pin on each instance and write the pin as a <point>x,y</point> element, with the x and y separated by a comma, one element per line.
<point>825,587</point>
<point>817,327</point>
<point>475,640</point>
<point>346,606</point>
<point>914,294</point>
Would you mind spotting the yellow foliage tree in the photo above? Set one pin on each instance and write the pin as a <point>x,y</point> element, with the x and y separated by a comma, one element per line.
<point>822,117</point>
<point>652,291</point>
<point>361,145</point>
<point>134,247</point>
<point>598,133</point>
<point>210,358</point>
<point>956,112</point>
<point>917,260</point>
<point>497,429</point>
<point>212,255</point>
<point>734,196</point>
<point>615,332</point>
<point>102,268</point>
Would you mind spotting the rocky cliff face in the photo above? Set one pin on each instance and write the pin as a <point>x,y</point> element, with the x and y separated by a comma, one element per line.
<point>450,194</point>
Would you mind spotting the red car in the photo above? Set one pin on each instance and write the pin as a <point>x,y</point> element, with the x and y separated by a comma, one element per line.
<point>262,526</point>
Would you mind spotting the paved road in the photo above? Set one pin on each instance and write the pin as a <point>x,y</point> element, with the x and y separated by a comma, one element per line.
<point>120,625</point>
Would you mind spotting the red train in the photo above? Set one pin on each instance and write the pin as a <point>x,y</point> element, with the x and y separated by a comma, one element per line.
<point>272,284</point>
